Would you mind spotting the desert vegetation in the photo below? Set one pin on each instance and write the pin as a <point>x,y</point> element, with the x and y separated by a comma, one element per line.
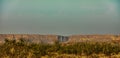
<point>24,49</point>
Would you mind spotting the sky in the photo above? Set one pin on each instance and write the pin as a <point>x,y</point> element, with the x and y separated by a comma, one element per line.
<point>61,17</point>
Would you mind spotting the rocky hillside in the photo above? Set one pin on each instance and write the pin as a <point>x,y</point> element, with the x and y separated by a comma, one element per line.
<point>50,39</point>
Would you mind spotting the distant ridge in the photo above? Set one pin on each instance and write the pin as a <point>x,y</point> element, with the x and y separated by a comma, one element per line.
<point>50,39</point>
<point>36,38</point>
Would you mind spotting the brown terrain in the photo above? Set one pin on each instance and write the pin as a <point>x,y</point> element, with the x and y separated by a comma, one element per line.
<point>94,38</point>
<point>36,38</point>
<point>50,39</point>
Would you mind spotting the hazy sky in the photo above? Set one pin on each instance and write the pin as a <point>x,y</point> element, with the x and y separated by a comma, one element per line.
<point>60,16</point>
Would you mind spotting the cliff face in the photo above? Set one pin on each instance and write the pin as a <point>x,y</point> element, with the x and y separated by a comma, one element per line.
<point>50,39</point>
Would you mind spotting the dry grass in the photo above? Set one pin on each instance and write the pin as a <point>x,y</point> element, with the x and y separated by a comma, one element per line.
<point>22,49</point>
